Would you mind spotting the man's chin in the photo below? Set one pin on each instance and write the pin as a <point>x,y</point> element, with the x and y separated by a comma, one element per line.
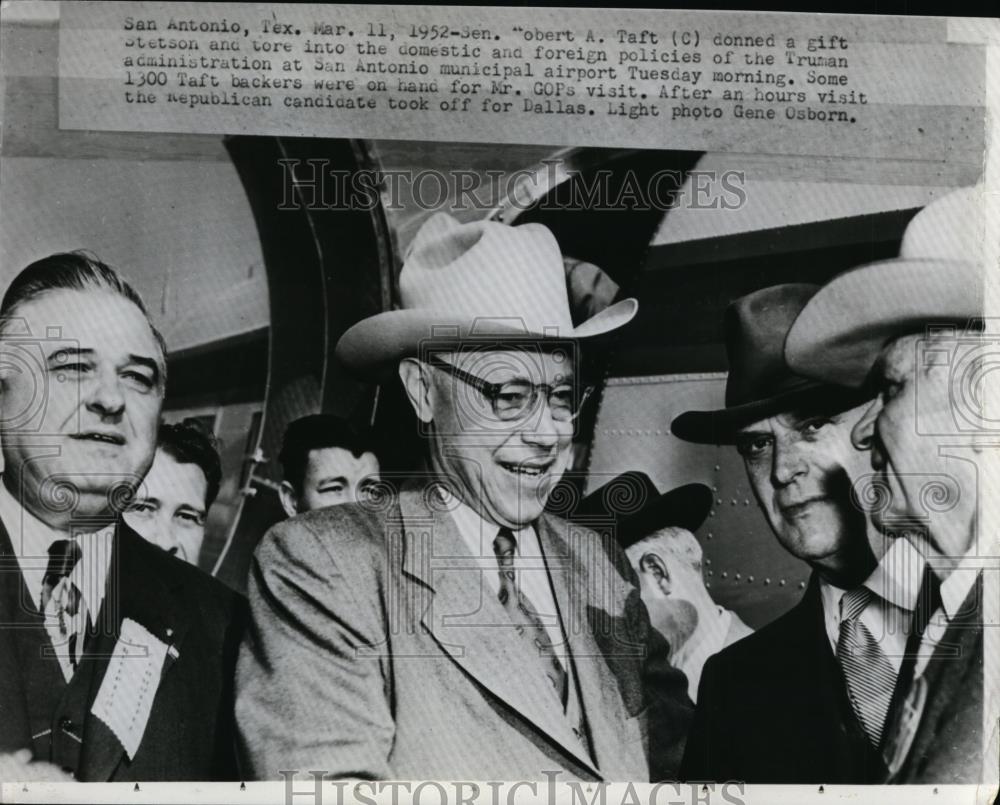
<point>515,517</point>
<point>811,544</point>
<point>89,492</point>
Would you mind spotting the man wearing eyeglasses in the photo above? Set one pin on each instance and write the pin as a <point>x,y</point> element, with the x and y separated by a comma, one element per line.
<point>456,631</point>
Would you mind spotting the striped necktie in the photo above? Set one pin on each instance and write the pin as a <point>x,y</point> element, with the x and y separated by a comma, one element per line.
<point>869,674</point>
<point>524,616</point>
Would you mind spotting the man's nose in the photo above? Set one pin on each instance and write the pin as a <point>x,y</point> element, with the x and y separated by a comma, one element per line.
<point>788,462</point>
<point>105,395</point>
<point>864,429</point>
<point>542,429</point>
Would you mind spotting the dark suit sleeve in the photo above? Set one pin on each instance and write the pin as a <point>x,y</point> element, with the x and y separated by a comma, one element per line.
<point>310,690</point>
<point>697,764</point>
<point>665,688</point>
<point>226,764</point>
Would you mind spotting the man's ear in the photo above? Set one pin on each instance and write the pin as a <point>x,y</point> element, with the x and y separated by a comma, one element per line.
<point>417,382</point>
<point>653,564</point>
<point>289,498</point>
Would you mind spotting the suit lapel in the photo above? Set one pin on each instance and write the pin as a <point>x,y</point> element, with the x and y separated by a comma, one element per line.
<point>928,600</point>
<point>137,592</point>
<point>944,679</point>
<point>571,583</point>
<point>469,624</point>
<point>829,689</point>
<point>15,731</point>
<point>838,724</point>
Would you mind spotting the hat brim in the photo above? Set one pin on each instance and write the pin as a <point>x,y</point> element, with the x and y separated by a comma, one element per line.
<point>840,332</point>
<point>723,425</point>
<point>373,346</point>
<point>684,507</point>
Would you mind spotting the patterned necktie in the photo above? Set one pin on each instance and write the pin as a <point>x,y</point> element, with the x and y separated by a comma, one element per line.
<point>869,674</point>
<point>63,556</point>
<point>523,615</point>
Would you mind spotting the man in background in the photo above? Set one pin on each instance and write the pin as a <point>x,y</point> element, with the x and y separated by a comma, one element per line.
<point>910,328</point>
<point>656,531</point>
<point>326,461</point>
<point>171,505</point>
<point>781,705</point>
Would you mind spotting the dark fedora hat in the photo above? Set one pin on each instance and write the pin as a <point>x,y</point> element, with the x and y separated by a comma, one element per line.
<point>639,508</point>
<point>760,384</point>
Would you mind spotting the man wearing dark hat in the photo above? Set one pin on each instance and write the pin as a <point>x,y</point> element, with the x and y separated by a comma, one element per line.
<point>909,327</point>
<point>457,631</point>
<point>656,532</point>
<point>781,706</point>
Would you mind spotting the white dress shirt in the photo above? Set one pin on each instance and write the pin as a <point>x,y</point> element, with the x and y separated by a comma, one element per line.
<point>955,589</point>
<point>529,564</point>
<point>895,581</point>
<point>30,539</point>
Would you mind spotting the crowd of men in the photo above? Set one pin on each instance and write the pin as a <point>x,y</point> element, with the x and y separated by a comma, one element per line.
<point>459,628</point>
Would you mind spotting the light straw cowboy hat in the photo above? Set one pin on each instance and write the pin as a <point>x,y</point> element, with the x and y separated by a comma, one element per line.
<point>470,281</point>
<point>938,278</point>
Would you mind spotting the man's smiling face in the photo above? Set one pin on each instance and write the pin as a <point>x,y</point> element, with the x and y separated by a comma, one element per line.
<point>506,469</point>
<point>80,408</point>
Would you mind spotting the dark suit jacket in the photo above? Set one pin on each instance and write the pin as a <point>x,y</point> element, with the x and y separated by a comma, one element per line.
<point>773,708</point>
<point>947,743</point>
<point>189,734</point>
<point>377,650</point>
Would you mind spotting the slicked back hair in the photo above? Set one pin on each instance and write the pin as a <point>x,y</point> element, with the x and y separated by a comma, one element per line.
<point>187,443</point>
<point>317,432</point>
<point>70,271</point>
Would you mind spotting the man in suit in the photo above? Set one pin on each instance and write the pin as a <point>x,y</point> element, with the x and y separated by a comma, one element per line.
<point>781,706</point>
<point>458,631</point>
<point>115,658</point>
<point>910,328</point>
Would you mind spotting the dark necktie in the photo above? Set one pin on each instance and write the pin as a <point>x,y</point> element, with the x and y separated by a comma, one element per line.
<point>63,556</point>
<point>524,616</point>
<point>869,674</point>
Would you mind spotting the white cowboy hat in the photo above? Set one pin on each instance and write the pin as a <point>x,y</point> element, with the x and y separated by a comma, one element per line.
<point>938,278</point>
<point>476,280</point>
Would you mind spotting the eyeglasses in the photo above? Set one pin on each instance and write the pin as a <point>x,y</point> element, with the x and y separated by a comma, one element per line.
<point>517,399</point>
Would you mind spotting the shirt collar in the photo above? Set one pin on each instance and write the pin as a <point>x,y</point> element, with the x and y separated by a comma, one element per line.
<point>477,532</point>
<point>31,538</point>
<point>896,578</point>
<point>898,575</point>
<point>955,586</point>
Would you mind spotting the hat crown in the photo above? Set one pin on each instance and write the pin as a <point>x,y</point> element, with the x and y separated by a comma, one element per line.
<point>950,228</point>
<point>756,326</point>
<point>487,271</point>
<point>479,280</point>
<point>938,279</point>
